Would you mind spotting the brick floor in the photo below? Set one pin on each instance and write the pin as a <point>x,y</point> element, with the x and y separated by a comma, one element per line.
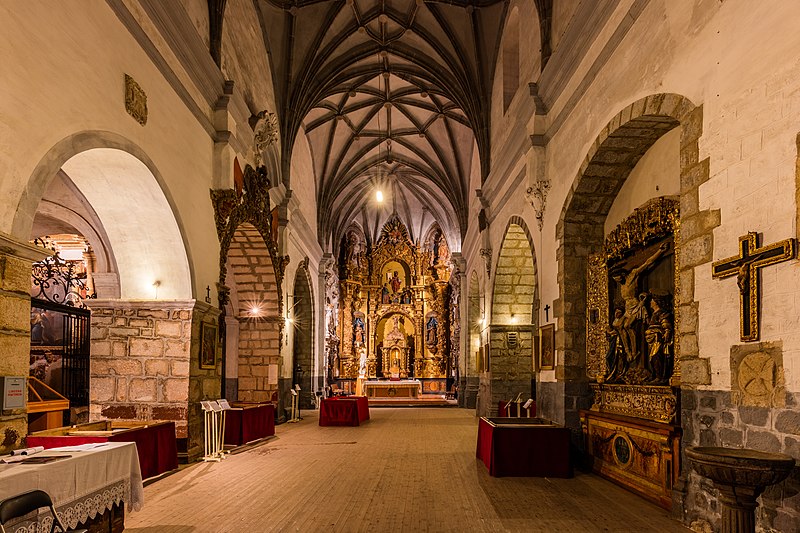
<point>404,470</point>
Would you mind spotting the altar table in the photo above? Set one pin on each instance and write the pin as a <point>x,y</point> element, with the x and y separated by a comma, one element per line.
<point>343,411</point>
<point>245,423</point>
<point>524,447</point>
<point>155,441</point>
<point>82,486</point>
<point>393,389</point>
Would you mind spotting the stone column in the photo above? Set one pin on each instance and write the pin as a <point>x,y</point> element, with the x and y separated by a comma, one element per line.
<point>16,258</point>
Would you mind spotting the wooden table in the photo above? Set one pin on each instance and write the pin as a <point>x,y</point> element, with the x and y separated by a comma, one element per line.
<point>82,485</point>
<point>393,389</point>
<point>524,447</point>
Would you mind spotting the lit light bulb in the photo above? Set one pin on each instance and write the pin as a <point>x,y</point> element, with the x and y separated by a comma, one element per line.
<point>255,310</point>
<point>379,196</point>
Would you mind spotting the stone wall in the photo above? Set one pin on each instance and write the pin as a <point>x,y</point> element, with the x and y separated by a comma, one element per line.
<point>715,418</point>
<point>145,364</point>
<point>511,367</point>
<point>15,332</point>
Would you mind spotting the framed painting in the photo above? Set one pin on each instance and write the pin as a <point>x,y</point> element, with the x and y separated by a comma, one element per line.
<point>547,347</point>
<point>208,346</point>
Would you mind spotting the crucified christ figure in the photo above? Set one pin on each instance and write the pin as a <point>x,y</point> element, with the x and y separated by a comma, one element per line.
<point>634,303</point>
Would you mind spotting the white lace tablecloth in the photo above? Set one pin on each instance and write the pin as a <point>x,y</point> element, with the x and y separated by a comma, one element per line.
<point>82,486</point>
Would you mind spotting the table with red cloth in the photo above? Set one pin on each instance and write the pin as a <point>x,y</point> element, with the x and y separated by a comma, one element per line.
<point>248,422</point>
<point>524,447</point>
<point>504,409</point>
<point>155,441</point>
<point>343,411</point>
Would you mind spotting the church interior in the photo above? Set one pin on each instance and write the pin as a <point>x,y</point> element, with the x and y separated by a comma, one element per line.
<point>446,207</point>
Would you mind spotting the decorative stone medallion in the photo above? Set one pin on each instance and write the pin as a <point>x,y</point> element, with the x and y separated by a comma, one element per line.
<point>757,375</point>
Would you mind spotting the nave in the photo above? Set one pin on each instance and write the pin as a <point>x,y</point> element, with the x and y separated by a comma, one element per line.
<point>405,470</point>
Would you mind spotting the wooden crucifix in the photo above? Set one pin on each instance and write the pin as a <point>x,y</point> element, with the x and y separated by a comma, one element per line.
<point>746,267</point>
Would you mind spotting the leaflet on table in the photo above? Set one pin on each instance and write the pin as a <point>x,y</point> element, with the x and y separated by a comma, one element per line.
<point>28,451</point>
<point>79,447</point>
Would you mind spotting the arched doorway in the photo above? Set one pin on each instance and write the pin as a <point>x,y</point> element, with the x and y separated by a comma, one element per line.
<point>514,321</point>
<point>474,356</point>
<point>301,318</point>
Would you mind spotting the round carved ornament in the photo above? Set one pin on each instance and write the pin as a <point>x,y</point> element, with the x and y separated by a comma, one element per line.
<point>757,374</point>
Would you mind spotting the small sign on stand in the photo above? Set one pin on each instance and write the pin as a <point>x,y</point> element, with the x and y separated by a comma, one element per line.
<point>14,393</point>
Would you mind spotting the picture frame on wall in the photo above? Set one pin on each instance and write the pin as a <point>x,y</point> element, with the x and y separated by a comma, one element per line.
<point>547,347</point>
<point>208,346</point>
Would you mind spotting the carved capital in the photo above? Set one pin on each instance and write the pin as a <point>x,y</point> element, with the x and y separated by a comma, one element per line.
<point>265,130</point>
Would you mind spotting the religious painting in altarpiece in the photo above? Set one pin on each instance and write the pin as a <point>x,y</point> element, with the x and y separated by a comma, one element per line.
<point>394,296</point>
<point>632,430</point>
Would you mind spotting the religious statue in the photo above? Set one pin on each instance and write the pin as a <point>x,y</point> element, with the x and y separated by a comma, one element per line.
<point>362,363</point>
<point>385,298</point>
<point>358,331</point>
<point>616,358</point>
<point>635,309</point>
<point>659,339</point>
<point>406,299</point>
<point>431,336</point>
<point>395,282</point>
<point>353,252</point>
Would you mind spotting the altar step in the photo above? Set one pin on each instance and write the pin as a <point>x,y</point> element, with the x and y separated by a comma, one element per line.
<point>422,401</point>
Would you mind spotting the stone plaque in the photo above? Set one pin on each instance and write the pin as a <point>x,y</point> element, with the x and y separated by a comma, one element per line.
<point>757,375</point>
<point>135,100</point>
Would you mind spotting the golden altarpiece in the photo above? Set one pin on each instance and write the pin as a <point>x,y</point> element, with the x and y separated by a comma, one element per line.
<point>393,302</point>
<point>632,430</point>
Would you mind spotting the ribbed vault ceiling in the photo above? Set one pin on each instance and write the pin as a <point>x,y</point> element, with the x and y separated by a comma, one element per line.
<point>390,93</point>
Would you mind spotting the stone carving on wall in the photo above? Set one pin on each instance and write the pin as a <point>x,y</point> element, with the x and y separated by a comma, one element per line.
<point>331,321</point>
<point>757,376</point>
<point>265,129</point>
<point>252,206</point>
<point>135,100</point>
<point>537,197</point>
<point>630,318</point>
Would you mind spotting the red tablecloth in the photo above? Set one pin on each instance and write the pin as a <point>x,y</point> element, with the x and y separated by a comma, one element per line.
<point>243,425</point>
<point>503,411</point>
<point>155,444</point>
<point>343,411</point>
<point>524,450</point>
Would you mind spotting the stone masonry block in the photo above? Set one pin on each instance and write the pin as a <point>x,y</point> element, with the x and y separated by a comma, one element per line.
<point>15,275</point>
<point>142,390</point>
<point>176,390</point>
<point>156,367</point>
<point>15,313</point>
<point>695,371</point>
<point>146,347</point>
<point>168,329</point>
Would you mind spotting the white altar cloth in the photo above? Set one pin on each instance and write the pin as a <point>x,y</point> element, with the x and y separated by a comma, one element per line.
<point>81,486</point>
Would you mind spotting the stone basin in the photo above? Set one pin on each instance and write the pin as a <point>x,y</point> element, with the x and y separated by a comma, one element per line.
<point>740,476</point>
<point>742,467</point>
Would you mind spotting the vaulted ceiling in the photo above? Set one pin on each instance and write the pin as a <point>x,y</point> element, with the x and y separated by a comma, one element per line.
<point>391,94</point>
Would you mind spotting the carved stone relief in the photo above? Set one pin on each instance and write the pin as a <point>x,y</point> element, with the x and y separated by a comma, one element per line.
<point>135,100</point>
<point>757,377</point>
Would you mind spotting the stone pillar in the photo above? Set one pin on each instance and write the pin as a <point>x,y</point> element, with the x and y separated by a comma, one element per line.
<point>145,364</point>
<point>16,258</point>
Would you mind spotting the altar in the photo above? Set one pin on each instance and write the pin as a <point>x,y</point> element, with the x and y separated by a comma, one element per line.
<point>407,388</point>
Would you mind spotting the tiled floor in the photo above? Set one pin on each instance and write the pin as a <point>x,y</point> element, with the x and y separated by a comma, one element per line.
<point>404,470</point>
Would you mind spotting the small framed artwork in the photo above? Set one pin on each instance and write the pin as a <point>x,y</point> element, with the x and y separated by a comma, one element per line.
<point>208,346</point>
<point>547,347</point>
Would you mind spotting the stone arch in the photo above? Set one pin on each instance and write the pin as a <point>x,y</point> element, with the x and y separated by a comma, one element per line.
<point>515,292</point>
<point>511,58</point>
<point>301,317</point>
<point>475,325</point>
<point>86,154</point>
<point>259,313</point>
<point>611,158</point>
